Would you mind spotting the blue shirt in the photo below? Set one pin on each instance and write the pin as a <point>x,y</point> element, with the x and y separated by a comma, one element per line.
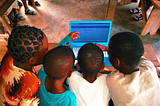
<point>65,41</point>
<point>48,99</point>
<point>67,98</point>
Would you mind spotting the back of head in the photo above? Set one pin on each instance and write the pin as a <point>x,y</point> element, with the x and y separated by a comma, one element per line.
<point>24,42</point>
<point>126,46</point>
<point>90,59</point>
<point>58,62</point>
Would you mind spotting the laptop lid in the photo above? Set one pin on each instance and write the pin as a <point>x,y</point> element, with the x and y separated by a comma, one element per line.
<point>92,31</point>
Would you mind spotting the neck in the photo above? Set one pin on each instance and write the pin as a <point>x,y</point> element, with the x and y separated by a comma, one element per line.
<point>25,66</point>
<point>90,79</point>
<point>129,70</point>
<point>55,86</point>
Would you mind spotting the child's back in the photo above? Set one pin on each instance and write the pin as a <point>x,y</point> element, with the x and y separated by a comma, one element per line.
<point>58,64</point>
<point>89,89</point>
<point>135,83</point>
<point>66,98</point>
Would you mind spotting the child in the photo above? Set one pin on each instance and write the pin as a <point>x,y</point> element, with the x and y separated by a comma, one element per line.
<point>58,64</point>
<point>90,89</point>
<point>19,84</point>
<point>135,82</point>
<point>18,81</point>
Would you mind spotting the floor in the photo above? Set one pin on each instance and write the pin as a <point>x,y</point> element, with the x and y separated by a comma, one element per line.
<point>53,17</point>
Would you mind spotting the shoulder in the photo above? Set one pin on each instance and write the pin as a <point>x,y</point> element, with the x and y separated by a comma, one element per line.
<point>41,73</point>
<point>75,74</point>
<point>71,95</point>
<point>114,75</point>
<point>70,99</point>
<point>102,77</point>
<point>23,81</point>
<point>146,64</point>
<point>147,68</point>
<point>114,78</point>
<point>75,79</point>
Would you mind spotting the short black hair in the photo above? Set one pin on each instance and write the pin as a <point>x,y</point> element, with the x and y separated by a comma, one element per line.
<point>90,59</point>
<point>126,46</point>
<point>58,62</point>
<point>24,42</point>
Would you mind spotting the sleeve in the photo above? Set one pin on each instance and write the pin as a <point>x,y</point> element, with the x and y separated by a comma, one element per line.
<point>73,81</point>
<point>32,102</point>
<point>28,96</point>
<point>147,64</point>
<point>72,100</point>
<point>65,41</point>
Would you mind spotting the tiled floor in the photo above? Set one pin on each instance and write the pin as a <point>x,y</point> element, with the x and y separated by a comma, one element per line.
<point>53,17</point>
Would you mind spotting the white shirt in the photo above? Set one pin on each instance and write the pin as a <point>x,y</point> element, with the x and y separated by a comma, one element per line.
<point>141,88</point>
<point>89,94</point>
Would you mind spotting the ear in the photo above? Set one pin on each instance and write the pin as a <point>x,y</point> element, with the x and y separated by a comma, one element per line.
<point>117,62</point>
<point>31,60</point>
<point>103,65</point>
<point>77,66</point>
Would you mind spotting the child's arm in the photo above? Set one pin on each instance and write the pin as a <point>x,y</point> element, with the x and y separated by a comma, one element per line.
<point>68,39</point>
<point>104,48</point>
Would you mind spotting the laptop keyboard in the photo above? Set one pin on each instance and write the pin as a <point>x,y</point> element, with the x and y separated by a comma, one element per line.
<point>75,51</point>
<point>105,54</point>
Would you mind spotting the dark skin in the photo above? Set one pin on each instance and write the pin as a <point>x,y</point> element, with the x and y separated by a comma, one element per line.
<point>92,78</point>
<point>120,65</point>
<point>32,61</point>
<point>55,86</point>
<point>25,66</point>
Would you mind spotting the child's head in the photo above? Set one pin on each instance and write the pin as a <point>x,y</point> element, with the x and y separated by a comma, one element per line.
<point>59,62</point>
<point>26,43</point>
<point>125,47</point>
<point>90,59</point>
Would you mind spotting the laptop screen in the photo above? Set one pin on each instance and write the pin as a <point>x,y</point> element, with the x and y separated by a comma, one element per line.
<point>91,31</point>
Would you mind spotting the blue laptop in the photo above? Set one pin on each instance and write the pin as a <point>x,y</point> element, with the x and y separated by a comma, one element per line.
<point>91,32</point>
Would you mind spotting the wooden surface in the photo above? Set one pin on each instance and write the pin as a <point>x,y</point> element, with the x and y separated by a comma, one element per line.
<point>153,23</point>
<point>5,23</point>
<point>143,12</point>
<point>4,5</point>
<point>111,8</point>
<point>3,49</point>
<point>123,1</point>
<point>149,53</point>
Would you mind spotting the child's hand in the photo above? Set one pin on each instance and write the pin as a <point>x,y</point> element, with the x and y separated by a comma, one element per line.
<point>74,35</point>
<point>104,48</point>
